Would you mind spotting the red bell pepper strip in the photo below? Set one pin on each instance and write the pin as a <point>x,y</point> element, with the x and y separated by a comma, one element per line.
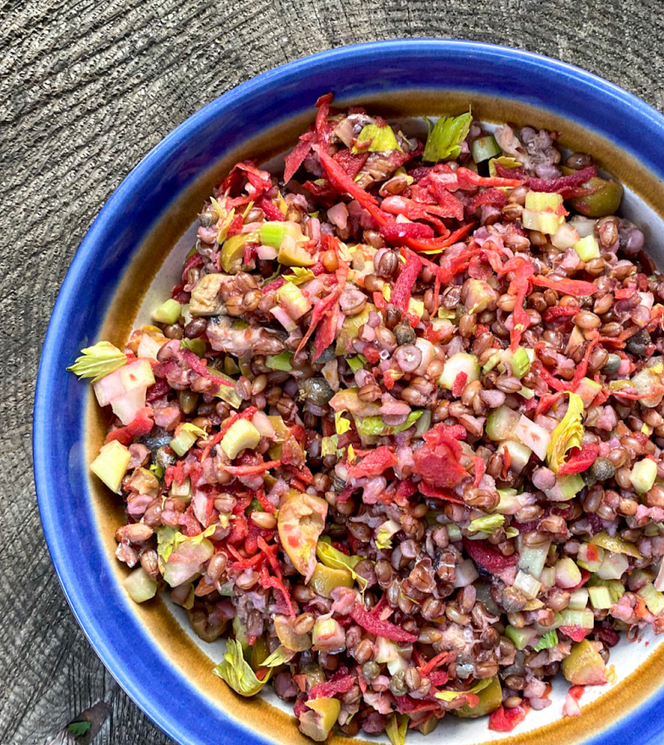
<point>406,231</point>
<point>575,287</point>
<point>252,470</point>
<point>297,155</point>
<point>519,286</point>
<point>438,244</point>
<point>374,464</point>
<point>581,460</point>
<point>375,625</point>
<point>582,369</point>
<point>468,179</point>
<point>351,163</point>
<point>488,557</point>
<point>403,287</point>
<point>140,425</point>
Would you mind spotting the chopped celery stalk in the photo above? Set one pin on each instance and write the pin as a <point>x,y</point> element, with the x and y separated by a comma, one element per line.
<point>273,233</point>
<point>227,392</point>
<point>487,524</point>
<point>600,598</point>
<point>526,393</point>
<point>567,434</point>
<point>181,491</point>
<point>385,532</point>
<point>565,237</point>
<point>280,361</point>
<point>588,390</point>
<point>544,222</point>
<point>547,577</point>
<point>587,248</point>
<point>520,362</point>
<point>643,475</point>
<point>454,532</point>
<point>492,362</point>
<point>444,140</point>
<point>615,544</point>
<point>654,599</point>
<point>519,455</point>
<point>242,435</point>
<point>479,295</point>
<point>533,436</point>
<point>396,728</point>
<point>567,487</point>
<point>501,423</point>
<point>542,200</point>
<point>458,363</point>
<point>185,436</point>
<point>484,148</point>
<point>568,574</point>
<point>167,312</point>
<point>613,566</point>
<point>528,585</point>
<point>550,639</point>
<point>584,665</point>
<point>532,560</point>
<point>578,599</point>
<point>521,637</point>
<point>590,557</point>
<point>509,502</point>
<point>355,363</point>
<point>98,361</point>
<point>423,424</point>
<point>380,139</point>
<point>583,618</point>
<point>111,464</point>
<point>291,298</point>
<point>141,586</point>
<point>197,346</point>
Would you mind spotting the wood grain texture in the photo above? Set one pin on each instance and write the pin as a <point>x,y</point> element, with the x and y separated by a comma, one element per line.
<point>86,89</point>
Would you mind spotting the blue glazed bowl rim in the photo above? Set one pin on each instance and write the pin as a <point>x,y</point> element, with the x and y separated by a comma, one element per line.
<point>645,720</point>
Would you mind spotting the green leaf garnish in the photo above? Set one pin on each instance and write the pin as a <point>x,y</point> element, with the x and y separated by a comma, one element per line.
<point>299,276</point>
<point>78,729</point>
<point>98,361</point>
<point>280,656</point>
<point>550,639</point>
<point>237,672</point>
<point>444,140</point>
<point>380,139</point>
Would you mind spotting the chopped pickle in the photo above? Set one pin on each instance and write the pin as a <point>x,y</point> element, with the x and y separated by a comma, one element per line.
<point>322,716</point>
<point>232,252</point>
<point>490,699</point>
<point>584,666</point>
<point>301,522</point>
<point>291,298</point>
<point>325,579</point>
<point>242,435</point>
<point>458,363</point>
<point>287,636</point>
<point>605,201</point>
<point>140,586</point>
<point>111,464</point>
<point>167,312</point>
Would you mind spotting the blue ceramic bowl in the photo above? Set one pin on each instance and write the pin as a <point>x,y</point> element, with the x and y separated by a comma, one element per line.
<point>153,661</point>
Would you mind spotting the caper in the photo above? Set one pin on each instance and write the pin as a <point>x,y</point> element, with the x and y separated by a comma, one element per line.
<point>316,390</point>
<point>370,670</point>
<point>611,365</point>
<point>638,344</point>
<point>404,334</point>
<point>602,469</point>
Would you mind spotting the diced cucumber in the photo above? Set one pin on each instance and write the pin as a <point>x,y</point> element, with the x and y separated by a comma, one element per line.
<point>461,362</point>
<point>111,464</point>
<point>501,423</point>
<point>587,248</point>
<point>643,475</point>
<point>167,312</point>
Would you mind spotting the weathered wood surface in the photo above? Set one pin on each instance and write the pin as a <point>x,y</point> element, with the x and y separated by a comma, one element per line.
<point>86,89</point>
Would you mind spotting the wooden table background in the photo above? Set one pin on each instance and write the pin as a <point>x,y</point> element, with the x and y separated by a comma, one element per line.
<point>87,88</point>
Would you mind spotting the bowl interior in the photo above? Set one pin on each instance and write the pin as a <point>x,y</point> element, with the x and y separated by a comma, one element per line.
<point>130,261</point>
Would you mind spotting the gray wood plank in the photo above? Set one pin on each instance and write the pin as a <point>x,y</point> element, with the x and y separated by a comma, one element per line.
<point>86,89</point>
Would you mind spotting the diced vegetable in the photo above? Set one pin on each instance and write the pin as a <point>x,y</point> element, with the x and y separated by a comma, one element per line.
<point>111,464</point>
<point>615,544</point>
<point>375,426</point>
<point>584,666</point>
<point>380,139</point>
<point>484,148</point>
<point>648,383</point>
<point>336,559</point>
<point>487,524</point>
<point>140,586</point>
<point>540,201</point>
<point>396,728</point>
<point>461,362</point>
<point>185,436</point>
<point>300,523</point>
<point>291,298</point>
<point>521,637</point>
<point>543,212</point>
<point>643,475</point>
<point>292,254</point>
<point>548,640</point>
<point>600,597</point>
<point>582,618</point>
<point>604,200</point>
<point>98,361</point>
<point>385,532</point>
<point>520,362</point>
<point>578,599</point>
<point>325,579</point>
<point>167,312</point>
<point>125,389</point>
<point>613,566</point>
<point>587,248</point>
<point>322,716</point>
<point>567,487</point>
<point>565,237</point>
<point>528,585</point>
<point>501,423</point>
<point>232,251</point>
<point>588,390</point>
<point>328,634</point>
<point>590,557</point>
<point>567,573</point>
<point>206,297</point>
<point>283,627</point>
<point>273,233</point>
<point>654,599</point>
<point>533,436</point>
<point>479,296</point>
<point>519,455</point>
<point>532,559</point>
<point>241,435</point>
<point>490,699</point>
<point>444,140</point>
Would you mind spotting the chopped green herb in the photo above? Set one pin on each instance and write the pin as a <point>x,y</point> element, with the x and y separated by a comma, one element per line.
<point>444,140</point>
